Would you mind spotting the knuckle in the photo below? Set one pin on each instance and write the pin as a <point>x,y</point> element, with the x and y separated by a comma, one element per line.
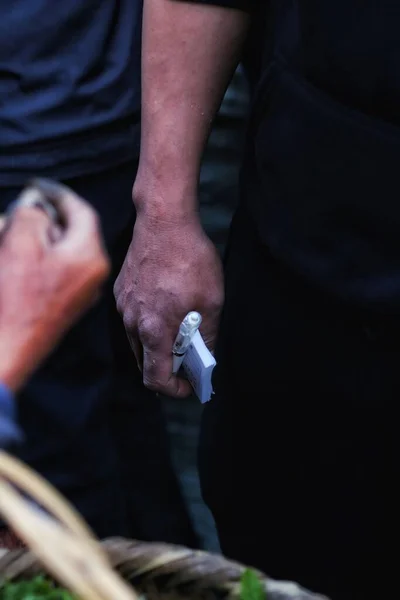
<point>124,307</point>
<point>214,304</point>
<point>116,292</point>
<point>127,318</point>
<point>150,330</point>
<point>89,214</point>
<point>72,262</point>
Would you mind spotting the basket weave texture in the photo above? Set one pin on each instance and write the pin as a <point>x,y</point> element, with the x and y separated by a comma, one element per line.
<point>62,546</point>
<point>164,572</point>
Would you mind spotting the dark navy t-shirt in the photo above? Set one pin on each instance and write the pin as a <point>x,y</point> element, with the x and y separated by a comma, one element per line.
<point>69,86</point>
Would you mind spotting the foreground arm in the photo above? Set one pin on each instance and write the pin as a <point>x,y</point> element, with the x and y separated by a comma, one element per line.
<point>48,277</point>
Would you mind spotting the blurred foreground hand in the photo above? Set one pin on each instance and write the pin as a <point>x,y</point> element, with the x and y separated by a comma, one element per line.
<point>49,275</point>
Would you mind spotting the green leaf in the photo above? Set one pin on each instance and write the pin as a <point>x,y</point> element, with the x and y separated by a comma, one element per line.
<point>251,587</point>
<point>39,588</point>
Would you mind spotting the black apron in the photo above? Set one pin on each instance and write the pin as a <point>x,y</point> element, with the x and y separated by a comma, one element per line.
<point>322,164</point>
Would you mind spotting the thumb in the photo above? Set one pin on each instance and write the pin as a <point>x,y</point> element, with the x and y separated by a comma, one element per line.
<point>158,376</point>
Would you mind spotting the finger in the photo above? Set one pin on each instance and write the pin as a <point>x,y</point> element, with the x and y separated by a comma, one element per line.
<point>77,217</point>
<point>26,228</point>
<point>157,374</point>
<point>137,350</point>
<point>130,326</point>
<point>55,233</point>
<point>209,337</point>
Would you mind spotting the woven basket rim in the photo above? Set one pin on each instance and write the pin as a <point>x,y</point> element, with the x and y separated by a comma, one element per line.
<point>166,570</point>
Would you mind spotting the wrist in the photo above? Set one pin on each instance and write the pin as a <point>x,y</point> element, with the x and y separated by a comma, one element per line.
<point>165,199</point>
<point>11,377</point>
<point>14,365</point>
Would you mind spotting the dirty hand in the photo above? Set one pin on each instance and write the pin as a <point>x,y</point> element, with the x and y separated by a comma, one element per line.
<point>171,269</point>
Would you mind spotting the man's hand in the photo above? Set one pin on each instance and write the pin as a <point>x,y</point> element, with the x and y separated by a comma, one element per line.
<point>48,277</point>
<point>171,268</point>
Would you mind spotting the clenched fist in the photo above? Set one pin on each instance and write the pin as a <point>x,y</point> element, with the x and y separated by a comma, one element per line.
<point>171,268</point>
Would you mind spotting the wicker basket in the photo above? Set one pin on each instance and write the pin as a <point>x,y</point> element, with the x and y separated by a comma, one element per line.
<point>117,569</point>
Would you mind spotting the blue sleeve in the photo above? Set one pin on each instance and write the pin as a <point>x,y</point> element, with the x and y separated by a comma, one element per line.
<point>9,431</point>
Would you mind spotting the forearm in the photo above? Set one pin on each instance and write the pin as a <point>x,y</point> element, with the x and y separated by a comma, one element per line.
<point>189,54</point>
<point>17,352</point>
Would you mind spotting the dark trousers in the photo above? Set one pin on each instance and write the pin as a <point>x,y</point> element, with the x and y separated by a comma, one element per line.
<point>299,452</point>
<point>90,425</point>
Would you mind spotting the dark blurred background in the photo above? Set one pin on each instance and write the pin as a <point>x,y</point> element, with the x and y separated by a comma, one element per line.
<point>218,198</point>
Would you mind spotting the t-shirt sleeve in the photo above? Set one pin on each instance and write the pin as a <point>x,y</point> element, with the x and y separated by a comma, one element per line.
<point>9,431</point>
